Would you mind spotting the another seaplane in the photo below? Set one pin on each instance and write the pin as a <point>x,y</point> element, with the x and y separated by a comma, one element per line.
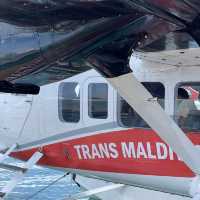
<point>138,126</point>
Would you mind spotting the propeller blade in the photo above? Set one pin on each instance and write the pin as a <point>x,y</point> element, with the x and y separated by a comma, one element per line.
<point>141,101</point>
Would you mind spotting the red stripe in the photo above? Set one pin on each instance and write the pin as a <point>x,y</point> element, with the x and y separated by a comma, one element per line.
<point>64,154</point>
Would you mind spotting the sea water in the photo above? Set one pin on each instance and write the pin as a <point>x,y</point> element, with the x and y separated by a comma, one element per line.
<point>37,179</point>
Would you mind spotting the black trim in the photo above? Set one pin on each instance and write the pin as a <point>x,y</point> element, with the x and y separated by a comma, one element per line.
<point>19,88</point>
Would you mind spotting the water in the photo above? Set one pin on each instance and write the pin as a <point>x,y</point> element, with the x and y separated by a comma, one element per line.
<point>36,179</point>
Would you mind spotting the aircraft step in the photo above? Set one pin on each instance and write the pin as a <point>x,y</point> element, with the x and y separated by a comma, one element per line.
<point>20,173</point>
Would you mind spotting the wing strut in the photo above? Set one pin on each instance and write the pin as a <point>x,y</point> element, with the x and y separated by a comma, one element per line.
<point>6,154</point>
<point>145,105</point>
<point>95,191</point>
<point>142,102</point>
<point>20,173</point>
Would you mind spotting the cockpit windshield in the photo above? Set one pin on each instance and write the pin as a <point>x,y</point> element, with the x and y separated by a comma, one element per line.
<point>187,106</point>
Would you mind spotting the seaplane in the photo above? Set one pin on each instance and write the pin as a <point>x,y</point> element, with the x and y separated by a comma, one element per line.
<point>107,90</point>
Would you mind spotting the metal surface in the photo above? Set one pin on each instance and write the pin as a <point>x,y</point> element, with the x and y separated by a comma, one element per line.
<point>95,191</point>
<point>5,155</point>
<point>46,41</point>
<point>44,12</point>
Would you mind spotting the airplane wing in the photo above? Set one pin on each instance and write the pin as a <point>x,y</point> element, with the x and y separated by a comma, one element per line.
<point>47,41</point>
<point>37,13</point>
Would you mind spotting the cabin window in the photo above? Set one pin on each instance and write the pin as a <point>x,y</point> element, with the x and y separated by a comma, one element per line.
<point>98,100</point>
<point>187,106</point>
<point>69,102</point>
<point>127,117</point>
